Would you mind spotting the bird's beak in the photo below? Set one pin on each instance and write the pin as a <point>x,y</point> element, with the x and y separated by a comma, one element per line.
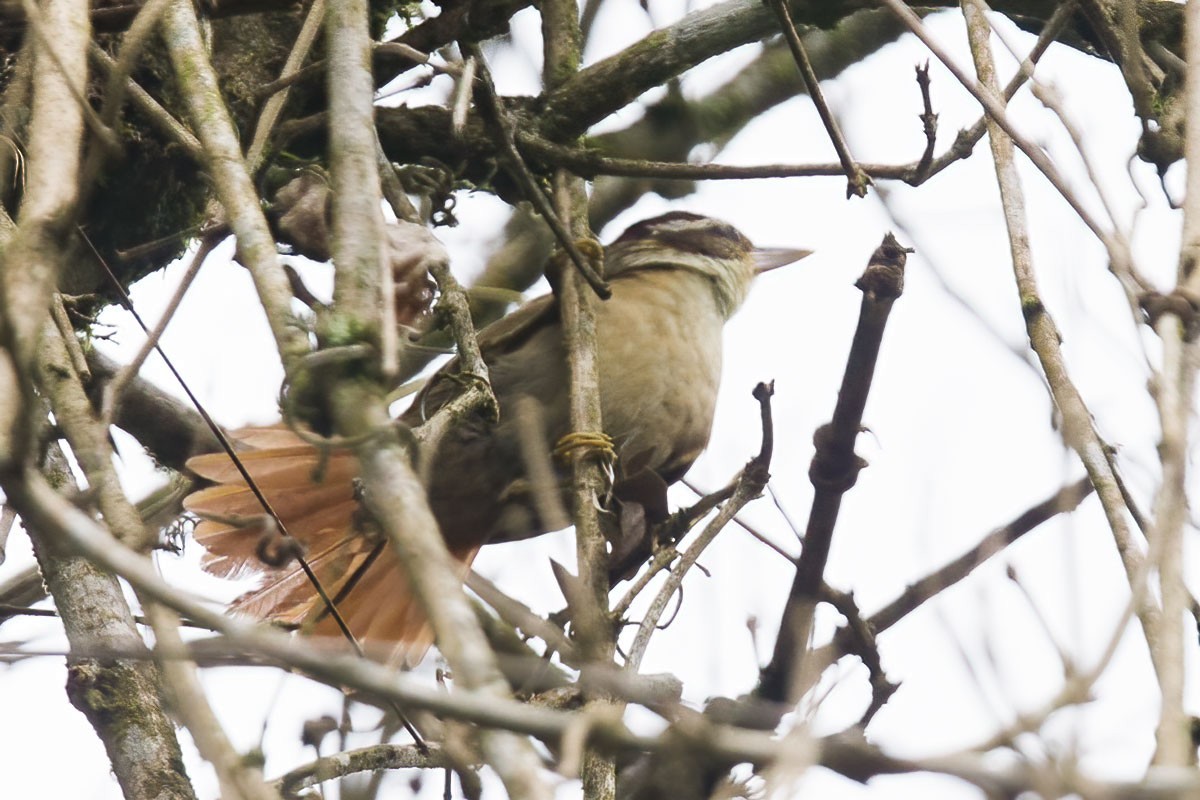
<point>769,258</point>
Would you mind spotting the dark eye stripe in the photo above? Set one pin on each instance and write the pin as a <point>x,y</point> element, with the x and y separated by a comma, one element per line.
<point>704,236</point>
<point>729,232</point>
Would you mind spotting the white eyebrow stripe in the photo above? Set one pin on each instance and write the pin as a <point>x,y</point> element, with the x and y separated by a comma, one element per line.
<point>680,225</point>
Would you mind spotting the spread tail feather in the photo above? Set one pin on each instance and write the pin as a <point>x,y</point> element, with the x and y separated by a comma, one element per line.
<point>371,591</point>
<point>316,503</point>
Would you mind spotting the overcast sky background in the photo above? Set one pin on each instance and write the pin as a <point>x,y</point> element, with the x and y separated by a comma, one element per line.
<point>960,433</point>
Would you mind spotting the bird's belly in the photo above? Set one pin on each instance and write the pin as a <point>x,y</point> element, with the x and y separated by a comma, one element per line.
<point>659,373</point>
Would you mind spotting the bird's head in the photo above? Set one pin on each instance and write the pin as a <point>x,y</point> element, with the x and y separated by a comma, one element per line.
<point>699,244</point>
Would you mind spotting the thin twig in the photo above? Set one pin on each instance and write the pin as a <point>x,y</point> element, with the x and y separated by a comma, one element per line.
<point>1016,349</point>
<point>116,387</point>
<point>589,163</point>
<point>920,591</point>
<point>139,33</point>
<point>1114,242</point>
<point>521,616</point>
<point>536,452</point>
<point>393,49</point>
<point>520,172</point>
<point>857,180</point>
<point>478,393</point>
<point>1076,689</point>
<point>964,143</point>
<point>928,121</point>
<point>158,116</point>
<point>393,190</point>
<point>749,485</point>
<point>863,634</point>
<point>58,313</point>
<point>7,611</point>
<point>660,544</point>
<point>1050,97</point>
<point>1035,608</point>
<point>761,537</point>
<point>276,101</point>
<point>663,557</point>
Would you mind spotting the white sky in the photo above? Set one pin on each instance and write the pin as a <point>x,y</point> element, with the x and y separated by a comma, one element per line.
<point>960,435</point>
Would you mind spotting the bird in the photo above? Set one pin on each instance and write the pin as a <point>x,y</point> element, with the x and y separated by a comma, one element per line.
<point>675,280</point>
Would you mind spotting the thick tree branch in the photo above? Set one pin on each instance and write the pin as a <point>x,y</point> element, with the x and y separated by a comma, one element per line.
<point>393,493</point>
<point>238,778</point>
<point>119,698</point>
<point>172,431</point>
<point>590,619</point>
<point>33,254</point>
<point>210,117</point>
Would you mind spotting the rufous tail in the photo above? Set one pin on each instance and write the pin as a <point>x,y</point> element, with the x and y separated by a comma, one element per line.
<point>316,502</point>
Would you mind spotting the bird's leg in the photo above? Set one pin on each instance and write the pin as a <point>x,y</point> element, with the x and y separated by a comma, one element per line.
<point>579,444</point>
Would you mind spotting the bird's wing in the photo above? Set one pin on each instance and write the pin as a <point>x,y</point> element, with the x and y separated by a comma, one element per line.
<point>502,336</point>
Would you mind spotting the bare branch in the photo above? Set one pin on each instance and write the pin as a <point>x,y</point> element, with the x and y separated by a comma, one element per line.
<point>857,180</point>
<point>275,103</point>
<point>210,117</point>
<point>1174,395</point>
<point>116,387</point>
<point>135,729</point>
<point>749,485</point>
<point>365,759</point>
<point>238,779</point>
<point>1078,430</point>
<point>589,481</point>
<point>393,493</point>
<point>833,472</point>
<point>521,174</point>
